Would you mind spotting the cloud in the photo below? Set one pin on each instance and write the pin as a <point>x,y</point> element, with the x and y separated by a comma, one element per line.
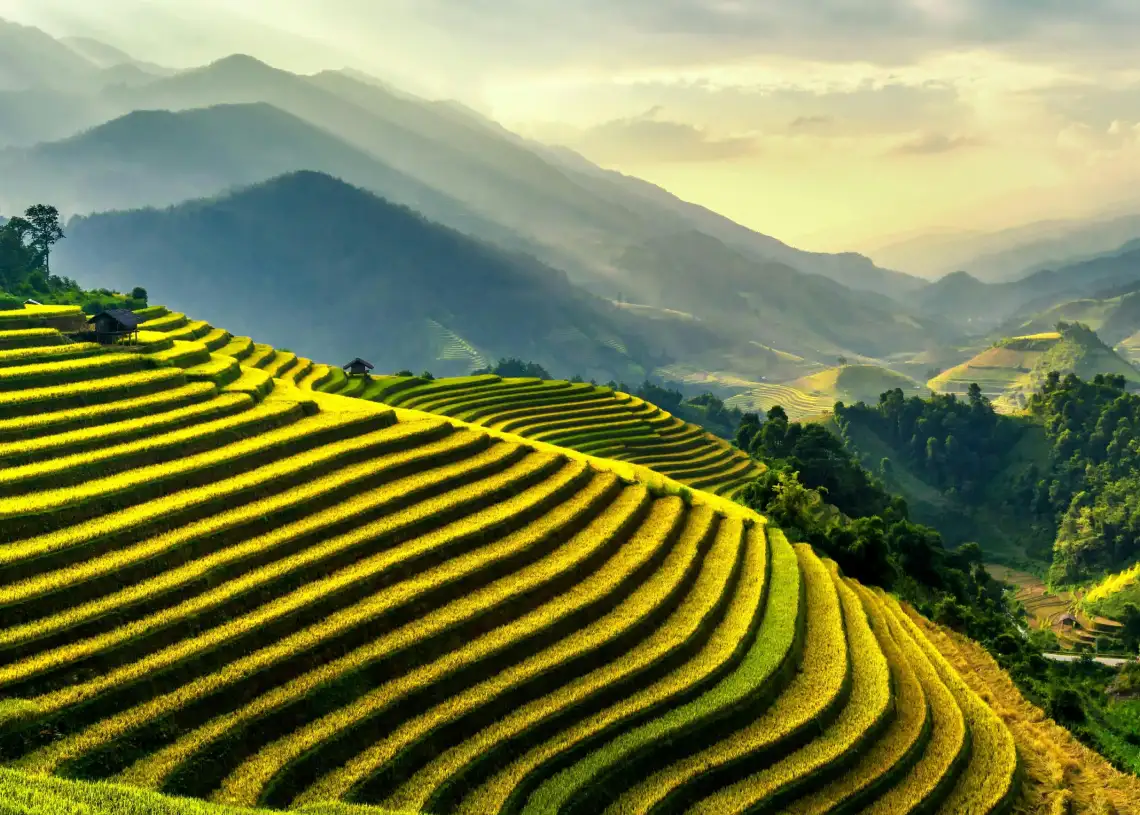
<point>810,122</point>
<point>933,143</point>
<point>649,138</point>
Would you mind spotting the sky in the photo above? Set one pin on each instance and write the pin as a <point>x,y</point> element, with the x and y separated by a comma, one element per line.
<point>830,124</point>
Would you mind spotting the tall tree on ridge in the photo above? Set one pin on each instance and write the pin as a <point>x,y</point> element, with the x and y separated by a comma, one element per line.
<point>45,230</point>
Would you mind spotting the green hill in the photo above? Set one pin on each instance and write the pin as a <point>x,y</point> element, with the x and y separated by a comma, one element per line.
<point>382,283</point>
<point>221,585</point>
<point>1011,369</point>
<point>769,302</point>
<point>817,393</point>
<point>160,158</point>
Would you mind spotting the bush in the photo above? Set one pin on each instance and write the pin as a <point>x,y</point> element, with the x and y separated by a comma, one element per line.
<point>9,302</point>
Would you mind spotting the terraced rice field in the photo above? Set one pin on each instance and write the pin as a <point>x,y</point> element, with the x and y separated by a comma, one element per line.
<point>1046,608</point>
<point>226,587</point>
<point>582,417</point>
<point>798,404</point>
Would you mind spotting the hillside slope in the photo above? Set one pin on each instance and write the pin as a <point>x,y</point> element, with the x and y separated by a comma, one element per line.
<point>381,282</point>
<point>1014,367</point>
<point>816,394</point>
<point>588,418</point>
<point>219,585</point>
<point>770,302</point>
<point>159,158</point>
<point>983,307</point>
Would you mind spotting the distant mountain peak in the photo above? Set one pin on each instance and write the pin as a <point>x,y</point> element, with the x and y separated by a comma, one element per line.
<point>237,64</point>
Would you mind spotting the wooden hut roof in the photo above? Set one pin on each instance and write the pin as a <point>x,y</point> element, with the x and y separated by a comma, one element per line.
<point>124,319</point>
<point>359,361</point>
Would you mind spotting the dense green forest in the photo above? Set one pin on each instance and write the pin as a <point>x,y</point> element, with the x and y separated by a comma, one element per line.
<point>817,490</point>
<point>1075,502</point>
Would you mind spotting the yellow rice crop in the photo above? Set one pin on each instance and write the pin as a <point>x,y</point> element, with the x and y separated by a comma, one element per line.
<point>194,570</point>
<point>247,781</point>
<point>12,478</point>
<point>48,353</point>
<point>948,738</point>
<point>252,381</point>
<point>282,361</point>
<point>317,376</point>
<point>55,444</point>
<point>238,347</point>
<point>12,402</point>
<point>723,643</point>
<point>113,522</point>
<point>822,676</point>
<point>772,644</point>
<point>866,708</point>
<point>262,355</point>
<point>152,770</point>
<point>193,330</point>
<point>216,339</point>
<point>875,765</point>
<point>987,780</point>
<point>682,625</point>
<point>30,337</point>
<point>168,322</point>
<point>1113,584</point>
<point>70,370</point>
<point>56,423</point>
<point>46,759</point>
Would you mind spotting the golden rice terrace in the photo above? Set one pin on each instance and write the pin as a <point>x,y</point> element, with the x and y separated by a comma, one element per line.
<point>485,596</point>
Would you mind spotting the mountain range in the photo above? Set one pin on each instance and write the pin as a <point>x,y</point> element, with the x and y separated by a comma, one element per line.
<point>355,275</point>
<point>87,127</point>
<point>1011,254</point>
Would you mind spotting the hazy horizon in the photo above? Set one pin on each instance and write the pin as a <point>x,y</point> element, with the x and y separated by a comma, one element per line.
<point>826,126</point>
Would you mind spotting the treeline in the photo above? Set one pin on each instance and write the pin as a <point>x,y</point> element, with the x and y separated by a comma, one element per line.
<point>818,491</point>
<point>26,242</point>
<point>1081,504</point>
<point>956,445</point>
<point>1092,488</point>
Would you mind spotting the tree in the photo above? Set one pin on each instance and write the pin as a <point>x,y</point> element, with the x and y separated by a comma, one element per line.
<point>45,231</point>
<point>138,293</point>
<point>842,360</point>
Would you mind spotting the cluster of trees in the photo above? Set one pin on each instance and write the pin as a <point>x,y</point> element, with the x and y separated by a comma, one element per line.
<point>816,490</point>
<point>25,248</point>
<point>1092,487</point>
<point>956,445</point>
<point>705,409</point>
<point>25,272</point>
<point>512,367</point>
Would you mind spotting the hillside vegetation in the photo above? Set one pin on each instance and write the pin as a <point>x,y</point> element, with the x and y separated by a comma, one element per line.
<point>816,394</point>
<point>1012,369</point>
<point>417,294</point>
<point>218,584</point>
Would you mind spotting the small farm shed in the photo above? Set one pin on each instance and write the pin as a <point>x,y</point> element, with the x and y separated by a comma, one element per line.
<point>357,366</point>
<point>1068,621</point>
<point>115,324</point>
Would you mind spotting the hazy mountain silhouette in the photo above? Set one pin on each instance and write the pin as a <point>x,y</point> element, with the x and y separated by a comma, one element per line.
<point>108,56</point>
<point>158,158</point>
<point>326,269</point>
<point>982,306</point>
<point>30,58</point>
<point>770,301</point>
<point>568,212</point>
<point>1010,254</point>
